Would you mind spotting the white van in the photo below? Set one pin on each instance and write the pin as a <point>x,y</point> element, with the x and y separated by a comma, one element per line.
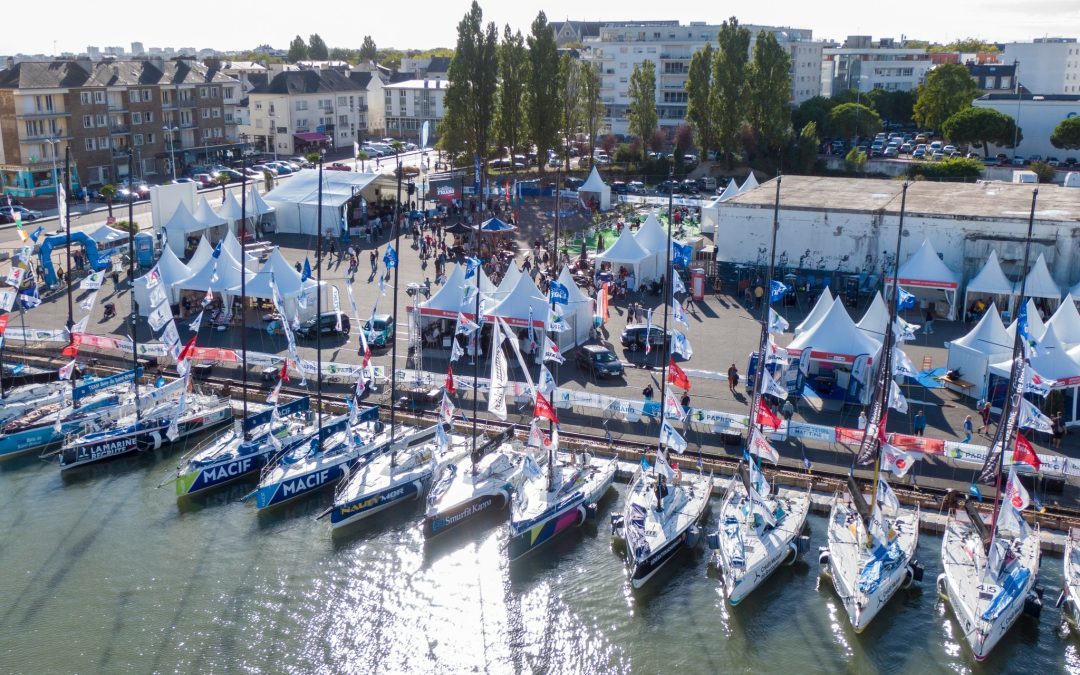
<point>1025,177</point>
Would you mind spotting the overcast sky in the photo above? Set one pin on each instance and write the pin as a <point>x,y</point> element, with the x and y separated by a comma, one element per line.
<point>432,23</point>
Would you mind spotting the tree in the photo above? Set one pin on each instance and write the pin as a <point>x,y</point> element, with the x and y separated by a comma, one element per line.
<point>948,90</point>
<point>895,106</point>
<point>223,180</point>
<point>298,50</point>
<point>570,89</point>
<point>981,127</point>
<point>769,92</point>
<point>684,140</point>
<point>317,49</point>
<point>212,63</point>
<point>814,110</point>
<point>641,114</point>
<point>807,146</point>
<point>699,112</point>
<point>470,95</point>
<point>1066,134</point>
<point>544,104</point>
<point>368,50</point>
<point>854,119</point>
<point>592,108</point>
<point>657,140</point>
<point>855,160</point>
<point>108,193</point>
<point>728,83</point>
<point>513,75</point>
<point>1044,171</point>
<point>608,143</point>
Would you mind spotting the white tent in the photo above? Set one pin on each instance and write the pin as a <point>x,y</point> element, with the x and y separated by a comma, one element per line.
<point>578,312</point>
<point>231,244</point>
<point>626,252</point>
<point>287,281</point>
<point>202,253</point>
<point>988,342</point>
<point>179,227</point>
<point>206,215</point>
<point>220,278</point>
<point>595,188</point>
<point>230,211</point>
<point>1039,283</point>
<point>509,281</point>
<point>108,236</point>
<point>296,200</point>
<point>450,298</point>
<point>730,190</point>
<point>924,272</point>
<point>750,184</point>
<point>1074,292</point>
<point>1052,361</point>
<point>710,214</point>
<point>991,280</point>
<point>172,272</point>
<point>653,240</point>
<point>256,205</point>
<point>1066,324</point>
<point>1036,326</point>
<point>515,308</point>
<point>833,352</point>
<point>825,301</point>
<point>875,319</point>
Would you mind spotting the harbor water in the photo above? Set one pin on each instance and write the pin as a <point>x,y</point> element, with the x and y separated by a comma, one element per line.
<point>104,573</point>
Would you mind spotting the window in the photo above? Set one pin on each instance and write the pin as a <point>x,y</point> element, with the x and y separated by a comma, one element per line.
<point>229,92</point>
<point>99,97</point>
<point>148,116</point>
<point>87,122</point>
<point>89,144</point>
<point>84,98</point>
<point>138,140</point>
<point>103,143</point>
<point>215,112</point>
<point>341,100</point>
<point>136,118</point>
<point>202,92</point>
<point>206,134</point>
<point>213,92</point>
<point>258,106</point>
<point>149,139</point>
<point>343,119</point>
<point>301,105</point>
<point>133,95</point>
<point>99,120</point>
<point>301,123</point>
<point>147,94</point>
<point>206,113</point>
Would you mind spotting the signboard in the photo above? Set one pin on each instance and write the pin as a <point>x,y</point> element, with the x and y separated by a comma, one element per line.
<point>445,189</point>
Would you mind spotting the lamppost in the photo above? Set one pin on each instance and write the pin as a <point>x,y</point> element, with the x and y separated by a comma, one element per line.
<point>172,148</point>
<point>1016,126</point>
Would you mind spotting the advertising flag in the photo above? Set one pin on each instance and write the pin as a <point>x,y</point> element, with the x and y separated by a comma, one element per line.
<point>1015,492</point>
<point>1023,452</point>
<point>677,376</point>
<point>543,409</point>
<point>671,438</point>
<point>760,446</point>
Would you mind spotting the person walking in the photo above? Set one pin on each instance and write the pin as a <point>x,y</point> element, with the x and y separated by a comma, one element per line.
<point>968,427</point>
<point>984,414</point>
<point>862,420</point>
<point>918,424</point>
<point>732,378</point>
<point>1057,430</point>
<point>374,261</point>
<point>928,327</point>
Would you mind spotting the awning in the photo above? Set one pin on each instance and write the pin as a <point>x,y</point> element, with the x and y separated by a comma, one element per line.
<point>312,137</point>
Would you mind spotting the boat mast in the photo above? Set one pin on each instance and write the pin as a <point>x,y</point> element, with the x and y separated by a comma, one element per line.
<point>1011,408</point>
<point>131,279</point>
<point>318,305</point>
<point>556,268</point>
<point>870,440</point>
<point>243,290</point>
<point>393,346</point>
<point>476,341</point>
<point>665,294</point>
<point>67,223</point>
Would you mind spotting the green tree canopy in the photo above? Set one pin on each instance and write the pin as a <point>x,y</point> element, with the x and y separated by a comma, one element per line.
<point>728,84</point>
<point>641,114</point>
<point>570,90</point>
<point>1066,134</point>
<point>513,76</point>
<point>368,50</point>
<point>814,110</point>
<point>298,50</point>
<point>981,127</point>
<point>699,112</point>
<point>854,119</point>
<point>470,95</point>
<point>807,146</point>
<point>948,90</point>
<point>592,108</point>
<point>894,106</point>
<point>769,91</point>
<point>544,101</point>
<point>317,49</point>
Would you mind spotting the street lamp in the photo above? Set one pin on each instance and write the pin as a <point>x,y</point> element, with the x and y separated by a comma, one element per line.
<point>172,148</point>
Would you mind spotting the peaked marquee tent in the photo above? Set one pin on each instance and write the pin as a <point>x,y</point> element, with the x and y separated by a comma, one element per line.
<point>875,319</point>
<point>1039,283</point>
<point>578,312</point>
<point>1051,361</point>
<point>654,241</point>
<point>182,224</point>
<point>924,272</point>
<point>287,281</point>
<point>987,342</point>
<point>595,188</point>
<point>172,272</point>
<point>627,252</point>
<point>1066,324</point>
<point>834,349</point>
<point>991,280</point>
<point>820,308</point>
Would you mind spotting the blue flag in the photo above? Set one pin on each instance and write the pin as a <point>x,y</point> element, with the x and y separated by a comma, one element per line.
<point>645,463</point>
<point>777,290</point>
<point>37,232</point>
<point>306,274</point>
<point>471,265</point>
<point>159,382</point>
<point>806,463</point>
<point>217,250</point>
<point>558,293</point>
<point>974,492</point>
<point>904,300</point>
<point>680,253</point>
<point>390,257</point>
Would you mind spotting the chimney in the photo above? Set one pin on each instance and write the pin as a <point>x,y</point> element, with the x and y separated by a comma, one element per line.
<point>425,83</point>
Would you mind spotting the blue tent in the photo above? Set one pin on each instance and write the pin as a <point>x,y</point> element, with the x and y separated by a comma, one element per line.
<point>494,226</point>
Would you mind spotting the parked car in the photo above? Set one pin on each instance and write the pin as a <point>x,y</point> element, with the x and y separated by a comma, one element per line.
<point>619,187</point>
<point>633,338</point>
<point>184,179</point>
<point>327,323</point>
<point>635,187</point>
<point>204,180</point>
<point>598,361</point>
<point>379,331</point>
<point>689,158</point>
<point>338,166</point>
<point>1018,161</point>
<point>688,187</point>
<point>892,152</point>
<point>573,183</point>
<point>8,213</point>
<point>938,156</point>
<point>906,148</point>
<point>1053,161</point>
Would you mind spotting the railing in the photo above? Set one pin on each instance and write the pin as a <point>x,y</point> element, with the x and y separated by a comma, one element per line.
<point>42,113</point>
<point>119,129</point>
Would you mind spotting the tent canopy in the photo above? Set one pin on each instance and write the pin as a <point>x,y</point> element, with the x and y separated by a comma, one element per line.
<point>202,253</point>
<point>835,337</point>
<point>449,300</point>
<point>750,184</point>
<point>172,272</point>
<point>206,216</point>
<point>578,312</point>
<point>179,226</point>
<point>730,191</point>
<point>821,307</point>
<point>256,205</point>
<point>1036,326</point>
<point>1039,283</point>
<point>651,236</point>
<point>226,272</point>
<point>496,226</point>
<point>1051,360</point>
<point>523,301</point>
<point>595,185</point>
<point>230,210</point>
<point>297,200</point>
<point>876,318</point>
<point>626,251</point>
<point>991,279</point>
<point>988,336</point>
<point>285,276</point>
<point>109,235</point>
<point>925,269</point>
<point>1066,324</point>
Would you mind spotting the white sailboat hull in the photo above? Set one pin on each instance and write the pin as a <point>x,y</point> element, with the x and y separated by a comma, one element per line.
<point>1072,581</point>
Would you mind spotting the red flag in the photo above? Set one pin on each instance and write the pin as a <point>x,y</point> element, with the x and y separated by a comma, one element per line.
<point>676,376</point>
<point>186,352</point>
<point>604,300</point>
<point>544,409</point>
<point>767,417</point>
<point>73,348</point>
<point>3,321</point>
<point>284,376</point>
<point>450,380</point>
<point>881,427</point>
<point>1023,452</point>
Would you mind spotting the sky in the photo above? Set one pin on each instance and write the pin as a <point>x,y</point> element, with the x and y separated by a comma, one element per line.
<point>422,24</point>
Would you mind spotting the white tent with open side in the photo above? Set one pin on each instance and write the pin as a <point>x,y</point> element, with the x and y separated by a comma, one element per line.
<point>820,308</point>
<point>289,286</point>
<point>218,275</point>
<point>297,200</point>
<point>991,281</point>
<point>230,211</point>
<point>202,253</point>
<point>171,271</point>
<point>654,241</point>
<point>928,278</point>
<point>875,319</point>
<point>627,252</point>
<point>1066,324</point>
<point>1039,283</point>
<point>835,356</point>
<point>179,227</point>
<point>578,312</point>
<point>1036,326</point>
<point>1051,361</point>
<point>988,342</point>
<point>595,188</point>
<point>231,244</point>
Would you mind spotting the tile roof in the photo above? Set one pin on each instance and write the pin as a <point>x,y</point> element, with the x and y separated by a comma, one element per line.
<point>307,82</point>
<point>64,74</point>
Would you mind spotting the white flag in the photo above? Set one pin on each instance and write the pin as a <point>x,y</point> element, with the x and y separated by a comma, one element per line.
<point>546,383</point>
<point>896,399</point>
<point>157,295</point>
<point>663,468</point>
<point>879,529</point>
<point>1015,493</point>
<point>531,469</point>
<point>441,438</point>
<point>7,300</point>
<point>499,380</point>
<point>777,323</point>
<point>680,345</point>
<point>758,481</point>
<point>671,438</point>
<point>905,332</point>
<point>159,317</point>
<point>672,409</point>
<point>456,351</point>
<point>536,436</point>
<point>775,354</point>
<point>897,461</point>
<point>556,323</point>
<point>770,387</point>
<point>902,365</point>
<point>153,278</point>
<point>273,397</point>
<point>886,496</point>
<point>170,335</point>
<point>80,326</point>
<point>15,276</point>
<point>194,325</point>
<point>677,285</point>
<point>678,314</point>
<point>1035,383</point>
<point>551,351</point>
<point>87,303</point>
<point>760,446</point>
<point>1031,417</point>
<point>464,325</point>
<point>761,508</point>
<point>66,370</point>
<point>93,281</point>
<point>446,409</point>
<point>335,300</point>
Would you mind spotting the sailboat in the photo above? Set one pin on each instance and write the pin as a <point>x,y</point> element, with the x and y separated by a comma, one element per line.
<point>758,530</point>
<point>663,507</point>
<point>989,574</point>
<point>871,548</point>
<point>1070,593</point>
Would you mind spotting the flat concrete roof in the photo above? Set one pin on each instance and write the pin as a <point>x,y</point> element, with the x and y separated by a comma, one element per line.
<point>991,200</point>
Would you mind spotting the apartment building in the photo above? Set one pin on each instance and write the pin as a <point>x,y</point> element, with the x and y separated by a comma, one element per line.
<point>411,103</point>
<point>863,64</point>
<point>298,111</point>
<point>158,109</point>
<point>370,103</point>
<point>992,77</point>
<point>1046,65</point>
<point>622,46</point>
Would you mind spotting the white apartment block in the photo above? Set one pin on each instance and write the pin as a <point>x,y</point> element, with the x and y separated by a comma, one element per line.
<point>1047,65</point>
<point>862,64</point>
<point>621,47</point>
<point>411,103</point>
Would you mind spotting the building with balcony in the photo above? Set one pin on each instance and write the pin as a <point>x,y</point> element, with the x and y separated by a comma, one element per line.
<point>371,122</point>
<point>103,109</point>
<point>411,103</point>
<point>620,47</point>
<point>1046,65</point>
<point>863,65</point>
<point>298,111</point>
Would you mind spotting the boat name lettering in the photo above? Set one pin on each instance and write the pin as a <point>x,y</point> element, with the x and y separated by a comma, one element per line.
<point>458,517</point>
<point>298,485</point>
<point>373,501</point>
<point>229,470</point>
<point>107,449</point>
